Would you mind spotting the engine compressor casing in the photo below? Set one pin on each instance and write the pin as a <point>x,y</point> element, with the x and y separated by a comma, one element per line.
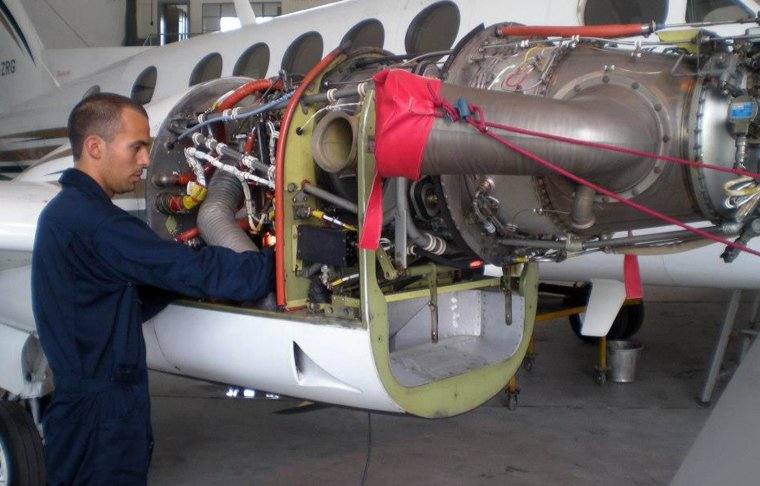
<point>650,101</point>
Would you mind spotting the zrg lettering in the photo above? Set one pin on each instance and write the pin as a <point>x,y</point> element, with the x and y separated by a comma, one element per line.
<point>7,67</point>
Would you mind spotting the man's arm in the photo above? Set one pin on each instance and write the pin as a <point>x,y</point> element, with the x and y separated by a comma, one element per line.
<point>154,300</point>
<point>131,251</point>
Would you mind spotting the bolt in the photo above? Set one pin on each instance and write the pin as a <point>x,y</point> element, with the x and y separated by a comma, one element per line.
<point>291,187</point>
<point>605,79</point>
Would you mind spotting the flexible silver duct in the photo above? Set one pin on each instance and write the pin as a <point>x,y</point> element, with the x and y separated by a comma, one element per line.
<point>216,217</point>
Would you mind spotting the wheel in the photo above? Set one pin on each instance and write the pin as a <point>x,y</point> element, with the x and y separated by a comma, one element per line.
<point>22,458</point>
<point>600,377</point>
<point>528,363</point>
<point>626,324</point>
<point>634,314</point>
<point>510,400</point>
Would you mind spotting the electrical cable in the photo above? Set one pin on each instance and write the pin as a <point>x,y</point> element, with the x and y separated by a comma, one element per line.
<point>275,104</point>
<point>369,448</point>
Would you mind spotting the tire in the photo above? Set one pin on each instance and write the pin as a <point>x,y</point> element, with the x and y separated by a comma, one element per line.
<point>626,324</point>
<point>22,456</point>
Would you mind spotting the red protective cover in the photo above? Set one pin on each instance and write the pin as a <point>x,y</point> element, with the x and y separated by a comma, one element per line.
<point>405,107</point>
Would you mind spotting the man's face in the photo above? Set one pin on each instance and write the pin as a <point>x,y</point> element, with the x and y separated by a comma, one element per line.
<point>126,155</point>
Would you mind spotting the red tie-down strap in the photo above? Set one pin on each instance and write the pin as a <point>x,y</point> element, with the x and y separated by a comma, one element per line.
<point>405,108</point>
<point>632,278</point>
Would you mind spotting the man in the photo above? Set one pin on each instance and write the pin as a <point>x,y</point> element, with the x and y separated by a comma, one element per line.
<point>90,259</point>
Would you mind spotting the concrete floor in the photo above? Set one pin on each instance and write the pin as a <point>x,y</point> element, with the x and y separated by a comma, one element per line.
<point>567,430</point>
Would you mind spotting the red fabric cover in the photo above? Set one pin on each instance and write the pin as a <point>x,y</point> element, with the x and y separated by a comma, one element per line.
<point>405,107</point>
<point>632,277</point>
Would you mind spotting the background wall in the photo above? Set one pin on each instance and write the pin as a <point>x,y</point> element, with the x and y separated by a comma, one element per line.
<point>148,12</point>
<point>289,6</point>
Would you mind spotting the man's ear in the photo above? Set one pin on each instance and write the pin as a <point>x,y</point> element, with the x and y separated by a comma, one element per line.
<point>93,146</point>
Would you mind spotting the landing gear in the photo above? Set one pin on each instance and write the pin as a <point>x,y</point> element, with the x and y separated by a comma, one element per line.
<point>530,356</point>
<point>22,459</point>
<point>600,371</point>
<point>511,392</point>
<point>626,324</point>
<point>600,376</point>
<point>510,401</point>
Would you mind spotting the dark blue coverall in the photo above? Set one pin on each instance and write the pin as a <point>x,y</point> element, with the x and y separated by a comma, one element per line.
<point>89,264</point>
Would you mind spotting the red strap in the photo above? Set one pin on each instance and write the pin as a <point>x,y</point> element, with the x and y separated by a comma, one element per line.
<point>373,216</point>
<point>632,277</point>
<point>405,107</point>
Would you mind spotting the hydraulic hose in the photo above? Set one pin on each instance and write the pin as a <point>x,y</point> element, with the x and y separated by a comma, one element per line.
<point>425,241</point>
<point>272,105</point>
<point>583,208</point>
<point>247,89</point>
<point>216,217</point>
<point>604,31</point>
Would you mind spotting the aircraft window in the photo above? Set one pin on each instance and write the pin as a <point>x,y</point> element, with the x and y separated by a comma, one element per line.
<point>367,33</point>
<point>716,11</point>
<point>598,12</point>
<point>209,68</point>
<point>93,90</point>
<point>433,29</point>
<point>303,54</point>
<point>145,85</point>
<point>254,62</point>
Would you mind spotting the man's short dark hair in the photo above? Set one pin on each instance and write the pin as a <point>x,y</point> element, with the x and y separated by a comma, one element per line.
<point>98,114</point>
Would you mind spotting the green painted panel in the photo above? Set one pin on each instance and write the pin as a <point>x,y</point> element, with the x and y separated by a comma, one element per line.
<point>449,396</point>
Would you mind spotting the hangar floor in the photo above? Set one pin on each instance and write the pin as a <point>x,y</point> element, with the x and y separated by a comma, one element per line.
<point>566,430</point>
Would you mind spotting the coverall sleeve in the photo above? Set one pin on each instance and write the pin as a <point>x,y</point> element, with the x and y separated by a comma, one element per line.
<point>129,250</point>
<point>154,300</point>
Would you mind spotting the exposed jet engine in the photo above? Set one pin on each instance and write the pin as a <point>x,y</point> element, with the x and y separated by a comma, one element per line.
<point>518,149</point>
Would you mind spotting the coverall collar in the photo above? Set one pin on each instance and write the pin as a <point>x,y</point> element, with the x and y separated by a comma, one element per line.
<point>78,179</point>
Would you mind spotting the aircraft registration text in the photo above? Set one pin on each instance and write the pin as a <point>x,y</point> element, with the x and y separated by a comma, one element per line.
<point>7,67</point>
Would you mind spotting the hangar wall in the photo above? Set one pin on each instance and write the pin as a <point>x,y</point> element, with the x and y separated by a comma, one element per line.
<point>148,12</point>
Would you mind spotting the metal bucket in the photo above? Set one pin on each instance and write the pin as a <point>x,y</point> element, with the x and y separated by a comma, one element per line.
<point>623,356</point>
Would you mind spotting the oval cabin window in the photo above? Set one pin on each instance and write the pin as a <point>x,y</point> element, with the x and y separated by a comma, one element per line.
<point>254,62</point>
<point>210,67</point>
<point>145,85</point>
<point>303,54</point>
<point>433,29</point>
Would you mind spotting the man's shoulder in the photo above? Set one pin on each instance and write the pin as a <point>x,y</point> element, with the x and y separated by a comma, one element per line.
<point>74,211</point>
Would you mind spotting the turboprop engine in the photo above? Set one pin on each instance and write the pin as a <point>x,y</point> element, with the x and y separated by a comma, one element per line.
<point>384,183</point>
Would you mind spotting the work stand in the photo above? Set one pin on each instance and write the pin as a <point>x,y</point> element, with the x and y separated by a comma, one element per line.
<point>545,314</point>
<point>746,335</point>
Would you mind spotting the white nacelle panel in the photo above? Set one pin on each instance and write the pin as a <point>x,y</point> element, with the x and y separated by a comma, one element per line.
<point>327,362</point>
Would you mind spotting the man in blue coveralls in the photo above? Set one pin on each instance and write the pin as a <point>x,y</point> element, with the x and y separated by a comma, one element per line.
<point>91,267</point>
